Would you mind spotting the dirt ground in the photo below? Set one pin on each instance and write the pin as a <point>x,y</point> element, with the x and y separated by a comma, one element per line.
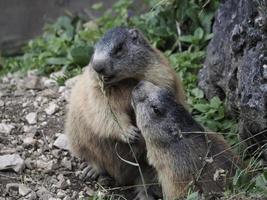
<point>32,114</point>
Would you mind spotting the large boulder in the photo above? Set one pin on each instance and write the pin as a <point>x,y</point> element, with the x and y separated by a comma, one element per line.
<point>235,68</point>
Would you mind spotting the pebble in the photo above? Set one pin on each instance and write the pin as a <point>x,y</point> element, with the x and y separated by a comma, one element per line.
<point>31,118</point>
<point>6,128</point>
<point>46,165</point>
<point>22,189</point>
<point>11,161</point>
<point>51,109</point>
<point>62,142</point>
<point>2,103</point>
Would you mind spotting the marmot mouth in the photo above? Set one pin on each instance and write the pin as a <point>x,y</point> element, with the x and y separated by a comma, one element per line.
<point>108,79</point>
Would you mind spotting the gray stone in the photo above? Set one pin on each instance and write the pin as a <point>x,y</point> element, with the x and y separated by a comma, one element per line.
<point>11,161</point>
<point>66,163</point>
<point>46,165</point>
<point>31,118</point>
<point>6,128</point>
<point>235,67</point>
<point>62,142</point>
<point>2,103</point>
<point>21,188</point>
<point>29,140</point>
<point>52,108</point>
<point>44,194</point>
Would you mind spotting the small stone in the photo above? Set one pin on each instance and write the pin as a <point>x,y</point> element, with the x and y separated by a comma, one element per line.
<point>6,128</point>
<point>30,164</point>
<point>24,190</point>
<point>21,188</point>
<point>46,165</point>
<point>67,198</point>
<point>31,196</point>
<point>61,194</point>
<point>89,191</point>
<point>31,118</point>
<point>44,194</point>
<point>11,161</point>
<point>62,142</point>
<point>55,153</point>
<point>2,103</point>
<point>51,109</point>
<point>29,129</point>
<point>66,163</point>
<point>29,141</point>
<point>49,83</point>
<point>62,183</point>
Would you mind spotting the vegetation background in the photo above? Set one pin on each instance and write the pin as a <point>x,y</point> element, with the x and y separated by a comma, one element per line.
<point>179,28</point>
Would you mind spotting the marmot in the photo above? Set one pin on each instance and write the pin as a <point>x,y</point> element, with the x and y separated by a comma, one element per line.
<point>178,147</point>
<point>121,58</point>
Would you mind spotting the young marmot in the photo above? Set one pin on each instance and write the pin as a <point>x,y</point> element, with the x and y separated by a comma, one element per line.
<point>177,146</point>
<point>101,118</point>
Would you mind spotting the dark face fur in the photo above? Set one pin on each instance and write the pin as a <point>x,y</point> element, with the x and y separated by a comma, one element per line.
<point>120,54</point>
<point>158,115</point>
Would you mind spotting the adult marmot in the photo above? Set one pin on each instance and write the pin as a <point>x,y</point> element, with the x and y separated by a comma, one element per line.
<point>98,121</point>
<point>177,146</point>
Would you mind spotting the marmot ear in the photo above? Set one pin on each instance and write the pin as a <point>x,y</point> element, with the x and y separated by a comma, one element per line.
<point>134,33</point>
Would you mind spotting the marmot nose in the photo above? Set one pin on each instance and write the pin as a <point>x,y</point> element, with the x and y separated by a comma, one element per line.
<point>99,68</point>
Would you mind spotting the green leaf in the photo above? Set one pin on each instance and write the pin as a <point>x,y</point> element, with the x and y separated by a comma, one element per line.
<point>199,33</point>
<point>186,38</point>
<point>193,196</point>
<point>57,61</point>
<point>261,182</point>
<point>81,55</point>
<point>215,102</point>
<point>197,93</point>
<point>201,107</point>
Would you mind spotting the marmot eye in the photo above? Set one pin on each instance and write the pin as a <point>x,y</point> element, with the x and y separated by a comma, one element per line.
<point>118,49</point>
<point>155,109</point>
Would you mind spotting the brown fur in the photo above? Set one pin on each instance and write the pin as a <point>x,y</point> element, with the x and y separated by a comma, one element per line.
<point>92,130</point>
<point>177,145</point>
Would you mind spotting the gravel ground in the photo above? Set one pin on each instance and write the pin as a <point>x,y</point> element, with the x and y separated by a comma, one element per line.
<point>35,162</point>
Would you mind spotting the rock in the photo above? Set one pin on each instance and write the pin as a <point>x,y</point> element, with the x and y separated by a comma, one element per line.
<point>6,128</point>
<point>46,165</point>
<point>235,67</point>
<point>2,103</point>
<point>21,188</point>
<point>52,108</point>
<point>66,163</point>
<point>62,183</point>
<point>29,163</point>
<point>11,161</point>
<point>29,140</point>
<point>62,142</point>
<point>44,194</point>
<point>31,118</point>
<point>49,83</point>
<point>56,75</point>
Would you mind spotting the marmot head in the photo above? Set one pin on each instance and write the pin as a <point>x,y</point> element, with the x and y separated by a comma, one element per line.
<point>158,115</point>
<point>120,54</point>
